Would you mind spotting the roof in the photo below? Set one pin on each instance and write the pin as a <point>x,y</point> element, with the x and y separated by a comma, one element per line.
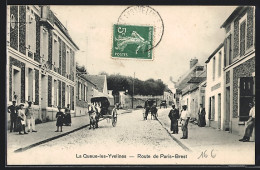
<point>233,15</point>
<point>64,30</point>
<point>98,80</point>
<point>212,55</point>
<point>86,78</point>
<point>187,76</point>
<point>197,79</point>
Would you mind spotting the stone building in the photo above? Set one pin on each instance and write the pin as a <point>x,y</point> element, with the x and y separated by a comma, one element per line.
<point>215,112</point>
<point>239,67</point>
<point>40,60</point>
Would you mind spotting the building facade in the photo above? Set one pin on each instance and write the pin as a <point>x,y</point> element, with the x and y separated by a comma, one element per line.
<point>40,60</point>
<point>85,90</point>
<point>215,112</point>
<point>239,67</point>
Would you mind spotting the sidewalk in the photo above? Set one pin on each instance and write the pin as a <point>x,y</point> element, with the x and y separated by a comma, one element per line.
<point>204,137</point>
<point>46,132</point>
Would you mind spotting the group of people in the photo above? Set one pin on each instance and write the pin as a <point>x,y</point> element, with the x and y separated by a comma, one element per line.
<point>19,117</point>
<point>184,118</point>
<point>63,118</point>
<point>151,109</point>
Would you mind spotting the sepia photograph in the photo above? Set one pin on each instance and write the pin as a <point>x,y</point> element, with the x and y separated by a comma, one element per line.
<point>130,85</point>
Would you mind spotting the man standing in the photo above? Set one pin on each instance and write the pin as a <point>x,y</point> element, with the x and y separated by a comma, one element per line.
<point>174,116</point>
<point>201,115</point>
<point>185,116</point>
<point>13,116</point>
<point>249,124</point>
<point>30,116</point>
<point>154,111</point>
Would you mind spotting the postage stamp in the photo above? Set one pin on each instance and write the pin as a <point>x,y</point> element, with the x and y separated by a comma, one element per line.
<point>132,41</point>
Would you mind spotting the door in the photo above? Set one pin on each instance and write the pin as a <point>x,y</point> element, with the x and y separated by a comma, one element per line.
<point>227,109</point>
<point>219,111</point>
<point>246,96</point>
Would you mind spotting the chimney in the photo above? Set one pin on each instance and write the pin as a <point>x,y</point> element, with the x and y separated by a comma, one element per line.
<point>193,62</point>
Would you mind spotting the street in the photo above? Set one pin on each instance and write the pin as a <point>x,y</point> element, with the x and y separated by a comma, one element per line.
<point>132,141</point>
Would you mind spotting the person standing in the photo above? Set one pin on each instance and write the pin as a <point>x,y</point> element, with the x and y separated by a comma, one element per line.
<point>185,116</point>
<point>201,115</point>
<point>67,116</point>
<point>249,124</point>
<point>154,111</point>
<point>21,119</point>
<point>13,116</point>
<point>29,112</point>
<point>60,118</point>
<point>174,116</point>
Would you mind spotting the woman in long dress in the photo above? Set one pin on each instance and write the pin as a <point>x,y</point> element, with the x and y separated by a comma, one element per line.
<point>21,120</point>
<point>60,118</point>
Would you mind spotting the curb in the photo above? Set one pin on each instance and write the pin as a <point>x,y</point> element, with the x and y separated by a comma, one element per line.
<point>55,137</point>
<point>50,139</point>
<point>175,139</point>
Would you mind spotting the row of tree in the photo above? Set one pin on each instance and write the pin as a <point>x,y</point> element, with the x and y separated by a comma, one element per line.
<point>117,82</point>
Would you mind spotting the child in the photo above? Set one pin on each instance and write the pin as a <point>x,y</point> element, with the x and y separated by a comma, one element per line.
<point>60,117</point>
<point>21,119</point>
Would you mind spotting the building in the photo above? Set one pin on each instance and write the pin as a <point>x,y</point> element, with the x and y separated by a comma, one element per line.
<point>189,88</point>
<point>85,90</point>
<point>214,107</point>
<point>194,93</point>
<point>40,60</point>
<point>101,83</point>
<point>239,67</point>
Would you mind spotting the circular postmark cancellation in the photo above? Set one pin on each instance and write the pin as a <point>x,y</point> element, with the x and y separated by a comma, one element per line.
<point>139,29</point>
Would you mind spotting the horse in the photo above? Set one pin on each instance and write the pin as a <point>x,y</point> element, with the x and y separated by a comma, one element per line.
<point>92,116</point>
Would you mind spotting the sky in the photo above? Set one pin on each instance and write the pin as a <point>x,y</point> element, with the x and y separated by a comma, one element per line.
<point>189,32</point>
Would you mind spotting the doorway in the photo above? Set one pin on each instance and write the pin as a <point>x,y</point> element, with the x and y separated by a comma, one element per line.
<point>16,85</point>
<point>227,109</point>
<point>219,111</point>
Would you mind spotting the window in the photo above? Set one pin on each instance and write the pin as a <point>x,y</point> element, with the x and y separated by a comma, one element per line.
<point>30,85</point>
<point>219,63</point>
<point>80,89</point>
<point>242,35</point>
<point>213,108</point>
<point>214,68</point>
<point>242,38</point>
<point>55,52</point>
<point>44,44</point>
<point>228,50</point>
<point>68,61</point>
<point>85,93</point>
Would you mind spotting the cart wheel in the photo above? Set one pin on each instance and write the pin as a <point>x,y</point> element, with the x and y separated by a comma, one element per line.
<point>114,120</point>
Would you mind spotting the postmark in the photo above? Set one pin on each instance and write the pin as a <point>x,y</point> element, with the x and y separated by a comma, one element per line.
<point>143,16</point>
<point>131,41</point>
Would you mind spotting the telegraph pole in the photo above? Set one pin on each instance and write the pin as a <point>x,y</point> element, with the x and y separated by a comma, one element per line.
<point>133,91</point>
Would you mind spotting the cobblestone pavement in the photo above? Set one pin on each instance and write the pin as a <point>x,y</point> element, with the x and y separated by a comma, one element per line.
<point>135,141</point>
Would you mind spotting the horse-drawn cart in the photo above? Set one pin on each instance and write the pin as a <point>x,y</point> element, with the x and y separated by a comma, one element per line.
<point>106,109</point>
<point>149,107</point>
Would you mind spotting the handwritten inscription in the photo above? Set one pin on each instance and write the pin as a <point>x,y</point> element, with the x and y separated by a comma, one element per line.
<point>207,154</point>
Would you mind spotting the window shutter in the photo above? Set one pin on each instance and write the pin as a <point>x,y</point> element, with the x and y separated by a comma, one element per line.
<point>225,49</point>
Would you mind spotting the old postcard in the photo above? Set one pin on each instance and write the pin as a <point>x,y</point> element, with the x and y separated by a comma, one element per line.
<point>130,85</point>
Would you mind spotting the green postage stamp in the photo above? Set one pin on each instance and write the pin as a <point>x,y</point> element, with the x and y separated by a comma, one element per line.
<point>130,41</point>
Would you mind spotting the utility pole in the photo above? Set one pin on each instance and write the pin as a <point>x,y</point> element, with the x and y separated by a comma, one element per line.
<point>133,91</point>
